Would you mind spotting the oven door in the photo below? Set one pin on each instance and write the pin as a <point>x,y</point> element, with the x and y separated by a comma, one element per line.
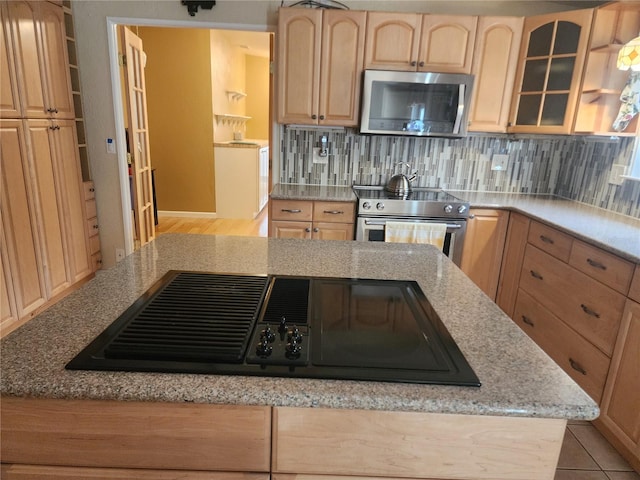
<point>372,229</point>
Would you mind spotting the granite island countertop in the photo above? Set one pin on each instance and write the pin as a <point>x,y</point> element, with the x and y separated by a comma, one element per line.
<point>619,234</point>
<point>518,378</point>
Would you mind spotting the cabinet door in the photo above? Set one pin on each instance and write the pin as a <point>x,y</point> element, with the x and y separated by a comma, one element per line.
<point>9,94</point>
<point>341,67</point>
<point>514,248</point>
<point>392,41</point>
<point>299,44</point>
<point>332,231</point>
<point>483,247</point>
<point>41,59</point>
<point>446,43</point>
<point>494,66</point>
<point>8,312</point>
<point>285,229</point>
<point>550,71</point>
<point>619,411</point>
<point>19,220</point>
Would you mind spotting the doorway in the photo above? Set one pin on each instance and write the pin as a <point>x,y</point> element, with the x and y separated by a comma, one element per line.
<point>188,75</point>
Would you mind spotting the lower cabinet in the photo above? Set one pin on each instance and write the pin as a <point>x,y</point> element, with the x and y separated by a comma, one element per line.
<point>619,419</point>
<point>91,436</point>
<point>337,443</point>
<point>312,219</point>
<point>483,248</point>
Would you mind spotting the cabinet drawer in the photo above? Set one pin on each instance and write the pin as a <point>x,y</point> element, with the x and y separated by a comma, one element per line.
<point>610,269</point>
<point>550,240</point>
<point>585,304</point>
<point>340,212</point>
<point>93,433</point>
<point>88,190</point>
<point>90,207</point>
<point>92,226</point>
<point>291,210</point>
<point>284,229</point>
<point>634,289</point>
<point>587,365</point>
<point>94,244</point>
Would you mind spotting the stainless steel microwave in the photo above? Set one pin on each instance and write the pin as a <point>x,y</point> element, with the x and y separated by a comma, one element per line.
<point>415,103</point>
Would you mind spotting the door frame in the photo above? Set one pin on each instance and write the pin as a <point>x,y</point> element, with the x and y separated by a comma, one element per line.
<point>116,90</point>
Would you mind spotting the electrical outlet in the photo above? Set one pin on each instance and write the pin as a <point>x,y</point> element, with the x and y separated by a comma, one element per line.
<point>319,159</point>
<point>119,254</point>
<point>617,171</point>
<point>499,162</point>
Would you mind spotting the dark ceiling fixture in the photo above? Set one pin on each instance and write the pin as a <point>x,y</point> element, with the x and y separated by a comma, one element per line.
<point>192,5</point>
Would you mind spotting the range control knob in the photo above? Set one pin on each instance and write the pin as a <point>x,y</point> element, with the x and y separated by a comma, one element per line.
<point>264,348</point>
<point>292,350</point>
<point>462,209</point>
<point>448,208</point>
<point>366,205</point>
<point>295,335</point>
<point>380,206</point>
<point>268,334</point>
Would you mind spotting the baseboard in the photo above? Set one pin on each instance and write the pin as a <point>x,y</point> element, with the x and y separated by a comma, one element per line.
<point>168,213</point>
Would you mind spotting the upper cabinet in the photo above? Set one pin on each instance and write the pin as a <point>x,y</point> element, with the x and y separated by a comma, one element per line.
<point>424,43</point>
<point>494,66</point>
<point>320,58</point>
<point>35,46</point>
<point>599,103</point>
<point>550,71</point>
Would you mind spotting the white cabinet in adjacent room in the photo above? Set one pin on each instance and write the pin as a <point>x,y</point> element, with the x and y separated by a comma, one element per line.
<point>242,180</point>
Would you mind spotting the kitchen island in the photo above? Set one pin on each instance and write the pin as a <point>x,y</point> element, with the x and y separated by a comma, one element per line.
<point>511,427</point>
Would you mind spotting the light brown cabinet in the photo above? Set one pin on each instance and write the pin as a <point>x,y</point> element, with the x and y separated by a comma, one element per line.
<point>93,226</point>
<point>424,43</point>
<point>483,248</point>
<point>619,413</point>
<point>45,247</point>
<point>549,73</point>
<point>614,24</point>
<point>312,219</point>
<point>320,58</point>
<point>40,73</point>
<point>494,65</point>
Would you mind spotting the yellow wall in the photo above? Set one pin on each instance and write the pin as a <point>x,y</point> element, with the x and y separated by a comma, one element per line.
<point>179,98</point>
<point>257,82</point>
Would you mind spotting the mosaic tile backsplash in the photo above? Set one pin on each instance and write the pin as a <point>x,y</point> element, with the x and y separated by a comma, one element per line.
<point>573,167</point>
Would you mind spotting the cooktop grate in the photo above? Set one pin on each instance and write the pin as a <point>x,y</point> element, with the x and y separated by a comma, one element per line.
<point>193,317</point>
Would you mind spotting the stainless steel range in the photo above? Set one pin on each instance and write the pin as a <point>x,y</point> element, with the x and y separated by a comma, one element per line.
<point>377,206</point>
<point>312,327</point>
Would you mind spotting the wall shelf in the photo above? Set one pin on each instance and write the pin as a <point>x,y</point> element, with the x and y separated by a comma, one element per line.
<point>235,95</point>
<point>227,118</point>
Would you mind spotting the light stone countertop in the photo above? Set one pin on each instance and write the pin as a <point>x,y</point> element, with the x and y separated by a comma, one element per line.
<point>244,143</point>
<point>518,378</point>
<point>294,191</point>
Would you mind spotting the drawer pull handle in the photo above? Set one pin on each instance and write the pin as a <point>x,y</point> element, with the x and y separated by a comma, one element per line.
<point>588,311</point>
<point>596,264</point>
<point>577,367</point>
<point>527,320</point>
<point>333,212</point>
<point>547,240</point>
<point>291,210</point>
<point>535,274</point>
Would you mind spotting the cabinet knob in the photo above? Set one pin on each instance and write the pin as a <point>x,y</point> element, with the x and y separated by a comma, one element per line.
<point>321,117</point>
<point>307,229</point>
<point>314,116</point>
<point>52,110</point>
<point>316,230</point>
<point>414,63</point>
<point>421,64</point>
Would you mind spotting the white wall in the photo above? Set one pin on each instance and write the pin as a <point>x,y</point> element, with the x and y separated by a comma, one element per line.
<point>90,17</point>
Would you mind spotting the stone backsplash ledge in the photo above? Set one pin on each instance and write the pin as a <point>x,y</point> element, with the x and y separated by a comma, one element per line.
<point>572,167</point>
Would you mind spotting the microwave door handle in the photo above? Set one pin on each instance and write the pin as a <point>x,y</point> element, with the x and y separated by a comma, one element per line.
<point>460,112</point>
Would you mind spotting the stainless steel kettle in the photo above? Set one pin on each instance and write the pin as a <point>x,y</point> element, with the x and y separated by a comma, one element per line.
<point>400,185</point>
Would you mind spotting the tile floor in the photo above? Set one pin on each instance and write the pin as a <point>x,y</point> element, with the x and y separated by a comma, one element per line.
<point>586,455</point>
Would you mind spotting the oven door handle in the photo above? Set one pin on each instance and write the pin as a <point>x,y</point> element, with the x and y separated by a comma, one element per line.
<point>384,222</point>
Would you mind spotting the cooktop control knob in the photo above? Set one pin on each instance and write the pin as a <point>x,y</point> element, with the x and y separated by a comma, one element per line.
<point>293,349</point>
<point>264,348</point>
<point>268,334</point>
<point>448,208</point>
<point>294,334</point>
<point>462,208</point>
<point>366,205</point>
<point>380,206</point>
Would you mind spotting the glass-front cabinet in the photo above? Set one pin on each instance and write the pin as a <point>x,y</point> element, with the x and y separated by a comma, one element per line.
<point>549,73</point>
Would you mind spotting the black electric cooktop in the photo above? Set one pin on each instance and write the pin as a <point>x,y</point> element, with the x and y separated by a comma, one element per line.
<point>285,326</point>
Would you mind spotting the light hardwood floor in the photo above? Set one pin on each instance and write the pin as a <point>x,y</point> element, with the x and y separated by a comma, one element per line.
<point>218,226</point>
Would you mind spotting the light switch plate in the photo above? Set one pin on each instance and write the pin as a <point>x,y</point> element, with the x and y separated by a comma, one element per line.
<point>499,162</point>
<point>617,171</point>
<point>111,145</point>
<point>317,158</point>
